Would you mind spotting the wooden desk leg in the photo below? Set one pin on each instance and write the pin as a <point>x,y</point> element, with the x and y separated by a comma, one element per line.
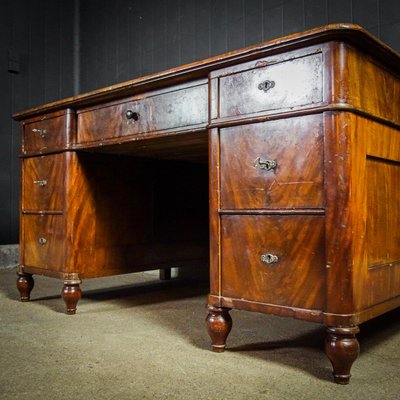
<point>342,349</point>
<point>25,285</point>
<point>219,324</point>
<point>71,293</point>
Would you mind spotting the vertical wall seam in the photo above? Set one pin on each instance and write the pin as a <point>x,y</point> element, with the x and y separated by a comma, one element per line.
<point>76,49</point>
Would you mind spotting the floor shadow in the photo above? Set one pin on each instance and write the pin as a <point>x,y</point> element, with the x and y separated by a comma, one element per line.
<point>294,343</point>
<point>302,351</point>
<point>133,295</point>
<point>148,291</point>
<point>151,292</point>
<point>372,333</point>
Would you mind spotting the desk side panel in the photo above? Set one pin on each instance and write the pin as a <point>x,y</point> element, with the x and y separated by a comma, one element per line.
<point>377,271</point>
<point>363,218</point>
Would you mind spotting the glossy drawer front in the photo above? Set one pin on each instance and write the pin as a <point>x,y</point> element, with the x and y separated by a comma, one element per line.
<point>43,183</point>
<point>179,108</point>
<point>44,241</point>
<point>45,134</point>
<point>278,86</point>
<point>275,164</point>
<point>274,259</point>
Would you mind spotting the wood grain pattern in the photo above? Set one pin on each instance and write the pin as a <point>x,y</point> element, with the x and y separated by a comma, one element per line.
<point>364,83</point>
<point>295,182</point>
<point>51,254</point>
<point>338,165</point>
<point>214,206</point>
<point>47,133</point>
<point>298,277</point>
<point>80,216</point>
<point>382,230</point>
<point>297,82</point>
<point>43,183</point>
<point>176,107</point>
<point>378,277</point>
<point>362,165</point>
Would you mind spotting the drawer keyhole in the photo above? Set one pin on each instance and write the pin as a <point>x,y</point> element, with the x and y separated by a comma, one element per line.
<point>266,85</point>
<point>268,165</point>
<point>132,115</point>
<point>269,258</point>
<point>42,241</point>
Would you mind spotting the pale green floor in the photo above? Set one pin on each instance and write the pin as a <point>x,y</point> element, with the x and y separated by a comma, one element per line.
<point>136,338</point>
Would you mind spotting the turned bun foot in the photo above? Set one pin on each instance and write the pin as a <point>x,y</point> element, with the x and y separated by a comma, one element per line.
<point>71,293</point>
<point>219,324</point>
<point>342,349</point>
<point>25,285</point>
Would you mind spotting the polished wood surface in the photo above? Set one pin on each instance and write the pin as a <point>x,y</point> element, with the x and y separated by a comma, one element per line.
<point>341,152</point>
<point>288,81</point>
<point>44,241</point>
<point>298,142</point>
<point>43,183</point>
<point>294,182</point>
<point>47,133</point>
<point>364,83</point>
<point>156,111</point>
<point>342,349</point>
<point>295,279</point>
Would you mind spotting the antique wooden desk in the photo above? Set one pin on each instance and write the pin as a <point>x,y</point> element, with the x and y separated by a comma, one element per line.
<point>299,142</point>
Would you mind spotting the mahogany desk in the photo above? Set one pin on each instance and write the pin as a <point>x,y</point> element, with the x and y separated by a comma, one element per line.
<point>299,142</point>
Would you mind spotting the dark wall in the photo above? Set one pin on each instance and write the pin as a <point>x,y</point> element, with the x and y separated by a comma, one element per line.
<point>37,35</point>
<point>123,39</point>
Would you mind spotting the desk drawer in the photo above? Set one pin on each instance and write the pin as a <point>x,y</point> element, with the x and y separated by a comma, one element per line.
<point>43,183</point>
<point>267,85</point>
<point>46,133</point>
<point>274,259</point>
<point>180,108</point>
<point>44,241</point>
<point>249,180</point>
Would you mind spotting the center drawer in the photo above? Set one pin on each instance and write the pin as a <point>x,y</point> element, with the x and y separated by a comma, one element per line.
<point>274,259</point>
<point>275,164</point>
<point>178,108</point>
<point>43,183</point>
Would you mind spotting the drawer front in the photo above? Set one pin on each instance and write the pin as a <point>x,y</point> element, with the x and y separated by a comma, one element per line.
<point>42,135</point>
<point>44,241</point>
<point>293,83</point>
<point>274,259</point>
<point>174,109</point>
<point>249,178</point>
<point>43,183</point>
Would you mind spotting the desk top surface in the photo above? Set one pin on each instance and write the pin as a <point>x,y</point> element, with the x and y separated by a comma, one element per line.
<point>350,33</point>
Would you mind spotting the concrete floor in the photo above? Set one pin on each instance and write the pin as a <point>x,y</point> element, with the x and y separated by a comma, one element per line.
<point>135,337</point>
